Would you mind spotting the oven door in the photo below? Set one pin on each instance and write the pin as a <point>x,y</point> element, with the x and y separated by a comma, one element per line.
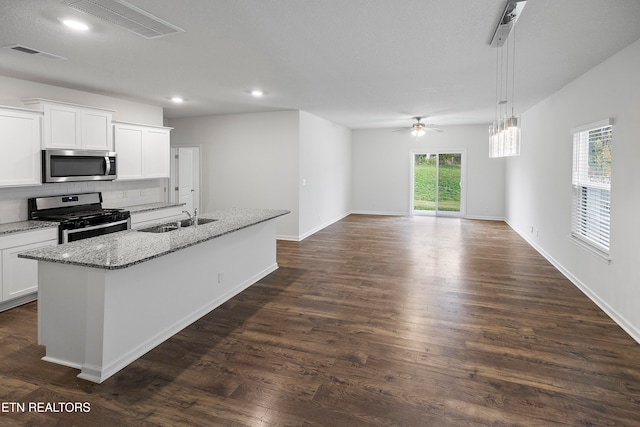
<point>78,165</point>
<point>93,231</point>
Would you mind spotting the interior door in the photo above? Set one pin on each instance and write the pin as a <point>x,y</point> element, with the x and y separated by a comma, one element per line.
<point>185,176</point>
<point>437,184</point>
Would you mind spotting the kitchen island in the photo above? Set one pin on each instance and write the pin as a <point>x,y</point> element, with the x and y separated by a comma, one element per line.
<point>104,302</point>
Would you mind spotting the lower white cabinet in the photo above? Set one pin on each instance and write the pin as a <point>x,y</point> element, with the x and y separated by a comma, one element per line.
<point>20,276</point>
<point>143,151</point>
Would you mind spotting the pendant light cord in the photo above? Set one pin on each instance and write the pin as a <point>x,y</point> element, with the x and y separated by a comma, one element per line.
<point>513,72</point>
<point>497,83</point>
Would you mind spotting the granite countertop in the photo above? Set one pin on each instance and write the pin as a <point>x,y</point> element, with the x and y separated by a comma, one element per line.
<point>126,248</point>
<point>151,207</point>
<point>20,226</point>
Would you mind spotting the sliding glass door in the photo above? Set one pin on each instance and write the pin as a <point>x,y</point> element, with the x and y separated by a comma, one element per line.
<point>437,183</point>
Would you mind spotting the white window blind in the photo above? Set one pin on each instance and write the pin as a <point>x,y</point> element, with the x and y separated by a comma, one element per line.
<point>592,184</point>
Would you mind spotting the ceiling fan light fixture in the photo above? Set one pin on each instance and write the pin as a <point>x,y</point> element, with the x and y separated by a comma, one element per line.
<point>418,128</point>
<point>418,131</point>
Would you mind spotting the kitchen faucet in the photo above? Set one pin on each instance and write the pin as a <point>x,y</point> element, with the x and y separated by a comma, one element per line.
<point>194,218</point>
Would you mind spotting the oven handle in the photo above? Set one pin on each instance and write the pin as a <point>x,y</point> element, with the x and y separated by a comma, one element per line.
<point>65,233</point>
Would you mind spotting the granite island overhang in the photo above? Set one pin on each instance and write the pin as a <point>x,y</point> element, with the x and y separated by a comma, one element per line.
<point>104,302</point>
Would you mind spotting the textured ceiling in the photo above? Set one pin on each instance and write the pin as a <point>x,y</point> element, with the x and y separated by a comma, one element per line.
<point>359,63</point>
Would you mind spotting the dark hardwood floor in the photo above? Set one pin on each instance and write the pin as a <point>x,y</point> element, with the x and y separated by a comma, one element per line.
<point>373,321</point>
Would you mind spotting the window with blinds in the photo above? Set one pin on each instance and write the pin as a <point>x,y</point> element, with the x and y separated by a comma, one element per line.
<point>592,184</point>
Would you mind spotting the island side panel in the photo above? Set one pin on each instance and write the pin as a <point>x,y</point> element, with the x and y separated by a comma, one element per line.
<point>62,310</point>
<point>148,303</point>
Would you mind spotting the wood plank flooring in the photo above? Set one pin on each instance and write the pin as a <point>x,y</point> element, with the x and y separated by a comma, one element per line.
<point>373,321</point>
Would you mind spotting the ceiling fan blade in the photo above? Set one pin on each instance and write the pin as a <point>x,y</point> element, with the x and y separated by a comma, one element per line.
<point>402,130</point>
<point>433,129</point>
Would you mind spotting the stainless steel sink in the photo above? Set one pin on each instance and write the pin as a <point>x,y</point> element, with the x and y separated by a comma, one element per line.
<point>202,221</point>
<point>170,226</point>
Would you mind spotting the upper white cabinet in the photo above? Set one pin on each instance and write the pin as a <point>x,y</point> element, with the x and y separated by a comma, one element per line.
<point>128,142</point>
<point>143,151</point>
<point>19,147</point>
<point>156,153</point>
<point>70,126</point>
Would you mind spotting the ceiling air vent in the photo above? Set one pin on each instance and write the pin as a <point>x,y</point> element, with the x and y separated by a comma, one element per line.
<point>34,52</point>
<point>127,16</point>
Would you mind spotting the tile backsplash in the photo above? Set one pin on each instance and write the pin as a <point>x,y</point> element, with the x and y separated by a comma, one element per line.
<point>115,194</point>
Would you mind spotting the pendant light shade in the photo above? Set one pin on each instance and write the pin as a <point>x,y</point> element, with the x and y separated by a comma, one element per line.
<point>504,132</point>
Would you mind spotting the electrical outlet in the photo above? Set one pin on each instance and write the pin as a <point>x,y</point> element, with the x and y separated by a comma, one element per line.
<point>220,276</point>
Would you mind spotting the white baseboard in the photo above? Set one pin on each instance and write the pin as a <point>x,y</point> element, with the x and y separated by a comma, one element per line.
<point>285,237</point>
<point>12,303</point>
<point>324,225</point>
<point>380,213</point>
<point>485,218</point>
<point>609,311</point>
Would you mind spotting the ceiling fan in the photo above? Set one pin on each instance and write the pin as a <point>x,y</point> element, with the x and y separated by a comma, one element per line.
<point>418,128</point>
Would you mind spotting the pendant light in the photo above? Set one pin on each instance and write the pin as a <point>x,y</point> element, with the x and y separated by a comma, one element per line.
<point>504,132</point>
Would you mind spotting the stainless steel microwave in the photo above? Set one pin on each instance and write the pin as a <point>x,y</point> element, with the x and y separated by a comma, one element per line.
<point>78,165</point>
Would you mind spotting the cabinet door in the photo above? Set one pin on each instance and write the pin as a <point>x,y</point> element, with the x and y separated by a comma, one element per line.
<point>156,153</point>
<point>128,144</point>
<point>19,148</point>
<point>62,127</point>
<point>20,276</point>
<point>97,130</point>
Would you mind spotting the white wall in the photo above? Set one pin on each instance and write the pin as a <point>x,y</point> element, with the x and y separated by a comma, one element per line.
<point>12,91</point>
<point>325,173</point>
<point>13,201</point>
<point>538,190</point>
<point>247,160</point>
<point>381,170</point>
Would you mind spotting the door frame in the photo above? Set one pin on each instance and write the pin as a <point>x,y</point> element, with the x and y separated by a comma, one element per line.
<point>173,193</point>
<point>463,176</point>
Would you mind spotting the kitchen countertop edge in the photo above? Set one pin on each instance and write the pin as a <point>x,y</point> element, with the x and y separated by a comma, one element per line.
<point>21,226</point>
<point>149,207</point>
<point>57,254</point>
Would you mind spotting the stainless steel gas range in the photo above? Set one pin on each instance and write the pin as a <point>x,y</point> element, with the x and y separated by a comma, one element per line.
<point>80,215</point>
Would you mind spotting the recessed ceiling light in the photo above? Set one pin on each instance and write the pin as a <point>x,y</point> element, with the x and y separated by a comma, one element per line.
<point>257,93</point>
<point>177,99</point>
<point>76,25</point>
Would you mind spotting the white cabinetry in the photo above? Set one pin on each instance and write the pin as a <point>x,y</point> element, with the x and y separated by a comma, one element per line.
<point>20,276</point>
<point>19,147</point>
<point>74,127</point>
<point>128,142</point>
<point>143,151</point>
<point>156,153</point>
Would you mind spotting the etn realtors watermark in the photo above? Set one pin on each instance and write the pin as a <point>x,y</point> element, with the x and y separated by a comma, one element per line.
<point>42,407</point>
